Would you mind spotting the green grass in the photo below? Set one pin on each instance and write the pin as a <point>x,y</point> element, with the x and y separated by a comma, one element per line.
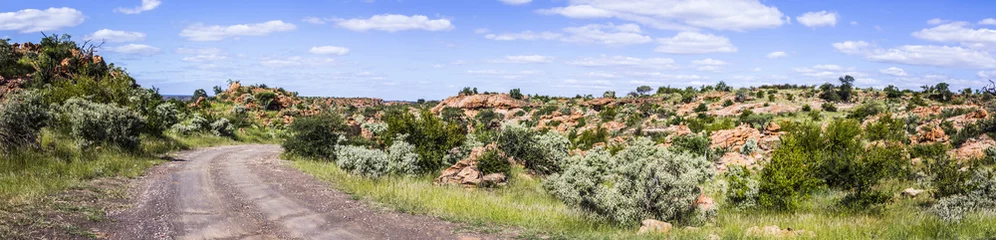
<point>526,209</point>
<point>522,205</point>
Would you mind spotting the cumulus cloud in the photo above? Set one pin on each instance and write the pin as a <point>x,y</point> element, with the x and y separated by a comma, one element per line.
<point>988,21</point>
<point>527,35</point>
<point>607,34</point>
<point>959,32</point>
<point>329,50</point>
<point>623,61</point>
<point>108,35</point>
<point>296,62</point>
<point>929,55</point>
<point>525,59</point>
<point>515,2</point>
<point>894,71</point>
<point>709,62</point>
<point>818,19</point>
<point>135,49</point>
<point>695,43</point>
<point>851,47</point>
<point>202,54</point>
<point>736,15</point>
<point>34,20</point>
<point>505,74</point>
<point>315,20</point>
<point>822,71</point>
<point>201,32</point>
<point>778,54</point>
<point>147,5</point>
<point>394,23</point>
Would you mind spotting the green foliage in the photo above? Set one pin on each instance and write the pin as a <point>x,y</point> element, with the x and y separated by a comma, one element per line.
<point>979,197</point>
<point>103,89</point>
<point>749,147</point>
<point>315,136</point>
<point>886,128</point>
<point>96,124</point>
<point>643,181</point>
<point>727,103</point>
<point>939,92</point>
<point>590,137</point>
<point>643,90</point>
<point>515,93</point>
<point>537,152</point>
<point>743,187</point>
<point>969,131</point>
<point>893,92</point>
<point>22,116</point>
<point>806,108</point>
<point>488,117</point>
<point>10,64</point>
<point>829,107</point>
<point>452,114</point>
<point>758,121</point>
<point>864,172</point>
<point>693,143</point>
<point>399,159</point>
<point>787,178</point>
<point>222,128</point>
<point>199,93</point>
<point>701,107</point>
<point>607,114</point>
<point>493,161</point>
<point>265,99</point>
<point>866,110</point>
<point>431,136</point>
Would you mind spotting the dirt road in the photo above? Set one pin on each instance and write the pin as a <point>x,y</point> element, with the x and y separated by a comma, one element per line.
<point>244,192</point>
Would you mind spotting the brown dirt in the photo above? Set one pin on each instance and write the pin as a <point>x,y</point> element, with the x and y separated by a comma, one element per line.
<point>246,192</point>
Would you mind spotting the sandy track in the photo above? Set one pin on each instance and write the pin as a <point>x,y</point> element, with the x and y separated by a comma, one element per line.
<point>245,192</point>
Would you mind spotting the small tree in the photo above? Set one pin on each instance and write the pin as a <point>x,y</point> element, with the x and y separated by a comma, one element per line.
<point>198,94</point>
<point>643,90</point>
<point>315,136</point>
<point>515,93</point>
<point>609,94</point>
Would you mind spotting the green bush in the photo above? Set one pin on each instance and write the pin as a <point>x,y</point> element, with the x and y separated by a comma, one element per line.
<point>222,127</point>
<point>701,108</point>
<point>886,128</point>
<point>980,197</point>
<point>866,110</point>
<point>758,121</point>
<point>694,143</point>
<point>10,64</point>
<point>402,158</point>
<point>749,147</point>
<point>22,116</point>
<point>727,103</point>
<point>806,108</point>
<point>315,136</point>
<point>432,136</point>
<point>829,107</point>
<point>493,161</point>
<point>787,178</point>
<point>95,124</point>
<point>742,189</point>
<point>640,182</point>
<point>537,152</point>
<point>362,161</point>
<point>864,172</point>
<point>590,137</point>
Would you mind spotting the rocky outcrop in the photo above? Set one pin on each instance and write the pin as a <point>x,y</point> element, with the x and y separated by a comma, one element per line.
<point>973,148</point>
<point>930,135</point>
<point>479,101</point>
<point>655,226</point>
<point>465,172</point>
<point>734,138</point>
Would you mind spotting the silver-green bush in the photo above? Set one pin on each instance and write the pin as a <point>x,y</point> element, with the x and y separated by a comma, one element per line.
<point>981,198</point>
<point>639,182</point>
<point>742,187</point>
<point>749,147</point>
<point>400,158</point>
<point>222,127</point>
<point>22,115</point>
<point>93,124</point>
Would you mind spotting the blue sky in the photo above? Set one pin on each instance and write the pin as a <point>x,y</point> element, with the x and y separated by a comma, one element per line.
<point>431,49</point>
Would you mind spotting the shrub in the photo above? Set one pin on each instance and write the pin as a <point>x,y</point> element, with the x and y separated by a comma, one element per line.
<point>866,110</point>
<point>829,107</point>
<point>22,116</point>
<point>886,128</point>
<point>402,158</point>
<point>222,127</point>
<point>590,137</point>
<point>493,161</point>
<point>315,136</point>
<point>806,108</point>
<point>515,93</point>
<point>749,147</point>
<point>488,116</point>
<point>786,178</point>
<point>607,114</point>
<point>701,108</point>
<point>431,136</point>
<point>727,103</point>
<point>694,144</point>
<point>358,160</point>
<point>980,197</point>
<point>640,182</point>
<point>742,190</point>
<point>537,152</point>
<point>265,99</point>
<point>758,121</point>
<point>95,124</point>
<point>864,172</point>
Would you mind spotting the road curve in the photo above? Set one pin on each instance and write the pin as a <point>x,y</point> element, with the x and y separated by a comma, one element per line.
<point>245,192</point>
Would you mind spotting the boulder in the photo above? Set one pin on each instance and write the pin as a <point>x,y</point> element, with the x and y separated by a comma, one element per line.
<point>734,138</point>
<point>705,203</point>
<point>465,172</point>
<point>911,192</point>
<point>973,148</point>
<point>654,226</point>
<point>480,101</point>
<point>931,135</point>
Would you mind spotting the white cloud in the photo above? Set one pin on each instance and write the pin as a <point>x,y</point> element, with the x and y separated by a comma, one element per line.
<point>616,35</point>
<point>504,74</point>
<point>986,74</point>
<point>818,19</point>
<point>525,59</point>
<point>115,36</point>
<point>854,23</point>
<point>515,2</point>
<point>201,32</point>
<point>34,20</point>
<point>894,71</point>
<point>296,62</point>
<point>851,47</point>
<point>683,15</point>
<point>481,31</point>
<point>135,49</point>
<point>778,54</point>
<point>315,20</point>
<point>709,62</point>
<point>202,54</point>
<point>936,21</point>
<point>708,68</point>
<point>988,21</point>
<point>940,56</point>
<point>822,71</point>
<point>622,61</point>
<point>147,5</point>
<point>600,75</point>
<point>957,32</point>
<point>527,35</point>
<point>394,23</point>
<point>330,50</point>
<point>695,43</point>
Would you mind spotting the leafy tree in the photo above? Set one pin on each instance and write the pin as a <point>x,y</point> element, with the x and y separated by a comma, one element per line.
<point>217,90</point>
<point>609,94</point>
<point>316,136</point>
<point>515,93</point>
<point>199,93</point>
<point>722,87</point>
<point>846,88</point>
<point>643,90</point>
<point>893,92</point>
<point>787,178</point>
<point>431,136</point>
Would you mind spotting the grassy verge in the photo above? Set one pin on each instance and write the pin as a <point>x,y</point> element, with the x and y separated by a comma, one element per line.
<point>524,207</point>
